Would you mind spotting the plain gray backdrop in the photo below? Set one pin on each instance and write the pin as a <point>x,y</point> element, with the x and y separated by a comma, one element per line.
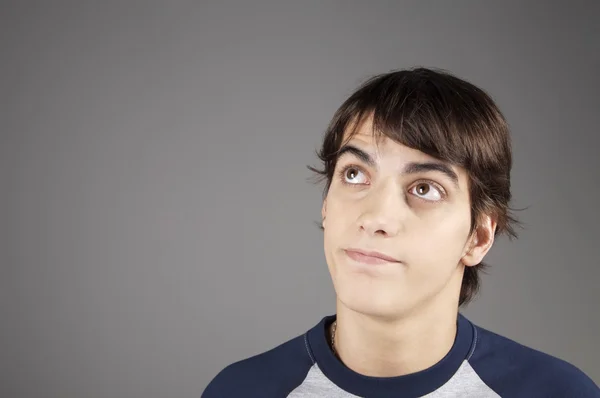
<point>157,221</point>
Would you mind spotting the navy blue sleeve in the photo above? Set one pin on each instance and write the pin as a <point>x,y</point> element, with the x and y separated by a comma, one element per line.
<point>274,373</point>
<point>514,370</point>
<point>578,384</point>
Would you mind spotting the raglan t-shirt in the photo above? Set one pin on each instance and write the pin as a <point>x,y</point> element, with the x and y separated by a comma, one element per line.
<point>480,364</point>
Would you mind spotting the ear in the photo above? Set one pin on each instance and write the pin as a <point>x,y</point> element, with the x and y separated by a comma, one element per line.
<point>480,242</point>
<point>324,212</point>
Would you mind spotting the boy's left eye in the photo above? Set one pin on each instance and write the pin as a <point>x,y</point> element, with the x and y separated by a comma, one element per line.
<point>426,191</point>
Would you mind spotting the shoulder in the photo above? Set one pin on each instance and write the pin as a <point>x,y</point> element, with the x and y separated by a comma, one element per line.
<point>513,369</point>
<point>273,373</point>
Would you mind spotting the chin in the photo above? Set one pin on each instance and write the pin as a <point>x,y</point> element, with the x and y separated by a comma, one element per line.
<point>372,308</point>
<point>372,299</point>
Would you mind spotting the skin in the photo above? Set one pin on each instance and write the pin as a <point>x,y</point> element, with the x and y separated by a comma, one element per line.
<point>398,317</point>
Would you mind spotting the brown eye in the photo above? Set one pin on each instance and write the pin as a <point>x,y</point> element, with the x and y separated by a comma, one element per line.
<point>351,173</point>
<point>427,191</point>
<point>422,189</point>
<point>353,176</point>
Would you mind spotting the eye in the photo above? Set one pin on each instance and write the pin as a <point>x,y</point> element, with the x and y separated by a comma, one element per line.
<point>427,191</point>
<point>353,175</point>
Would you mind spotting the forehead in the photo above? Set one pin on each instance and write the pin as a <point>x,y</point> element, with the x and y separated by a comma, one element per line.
<point>381,145</point>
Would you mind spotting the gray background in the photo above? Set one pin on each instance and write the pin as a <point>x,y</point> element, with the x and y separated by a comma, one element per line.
<point>156,219</point>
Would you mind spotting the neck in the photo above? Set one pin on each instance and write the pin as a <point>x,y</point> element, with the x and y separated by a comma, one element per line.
<point>378,347</point>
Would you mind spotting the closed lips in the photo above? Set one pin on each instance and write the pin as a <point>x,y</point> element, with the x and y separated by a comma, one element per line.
<point>367,255</point>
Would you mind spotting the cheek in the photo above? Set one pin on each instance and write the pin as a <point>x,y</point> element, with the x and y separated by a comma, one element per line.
<point>337,228</point>
<point>340,213</point>
<point>438,240</point>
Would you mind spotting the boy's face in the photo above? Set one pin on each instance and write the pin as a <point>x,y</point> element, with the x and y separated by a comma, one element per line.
<point>406,205</point>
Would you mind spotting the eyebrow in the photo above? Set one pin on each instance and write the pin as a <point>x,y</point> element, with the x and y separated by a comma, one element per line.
<point>410,168</point>
<point>359,153</point>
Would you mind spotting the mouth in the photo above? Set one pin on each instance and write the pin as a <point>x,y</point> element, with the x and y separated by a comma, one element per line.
<point>369,257</point>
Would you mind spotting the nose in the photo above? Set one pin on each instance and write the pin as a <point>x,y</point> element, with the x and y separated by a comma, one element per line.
<point>383,211</point>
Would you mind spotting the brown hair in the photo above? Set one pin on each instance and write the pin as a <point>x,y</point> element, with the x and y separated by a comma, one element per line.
<point>445,117</point>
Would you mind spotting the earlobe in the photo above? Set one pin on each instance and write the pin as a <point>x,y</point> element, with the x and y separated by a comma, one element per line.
<point>480,243</point>
<point>467,258</point>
